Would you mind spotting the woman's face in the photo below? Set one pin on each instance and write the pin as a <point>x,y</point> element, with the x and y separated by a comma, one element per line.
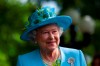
<point>48,37</point>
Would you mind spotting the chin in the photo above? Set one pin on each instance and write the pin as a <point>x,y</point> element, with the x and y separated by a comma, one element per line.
<point>52,48</point>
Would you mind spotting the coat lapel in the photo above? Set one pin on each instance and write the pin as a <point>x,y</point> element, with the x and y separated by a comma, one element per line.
<point>66,58</point>
<point>38,61</point>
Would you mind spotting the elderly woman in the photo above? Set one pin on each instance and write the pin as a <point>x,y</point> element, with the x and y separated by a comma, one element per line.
<point>45,29</point>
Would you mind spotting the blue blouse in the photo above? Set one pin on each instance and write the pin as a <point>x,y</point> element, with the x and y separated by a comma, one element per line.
<point>69,57</point>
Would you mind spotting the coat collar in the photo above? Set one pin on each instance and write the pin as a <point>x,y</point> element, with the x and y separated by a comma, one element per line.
<point>65,57</point>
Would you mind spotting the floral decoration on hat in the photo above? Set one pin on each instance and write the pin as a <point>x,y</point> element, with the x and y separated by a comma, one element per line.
<point>41,15</point>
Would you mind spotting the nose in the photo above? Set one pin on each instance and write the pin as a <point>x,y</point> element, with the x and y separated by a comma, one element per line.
<point>51,36</point>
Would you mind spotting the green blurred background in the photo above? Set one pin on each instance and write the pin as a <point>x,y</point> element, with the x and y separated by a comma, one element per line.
<point>14,15</point>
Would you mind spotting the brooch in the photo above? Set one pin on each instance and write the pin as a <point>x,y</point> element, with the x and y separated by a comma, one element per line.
<point>71,61</point>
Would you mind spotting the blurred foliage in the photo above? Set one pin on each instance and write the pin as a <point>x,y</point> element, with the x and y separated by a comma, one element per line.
<point>86,7</point>
<point>14,15</point>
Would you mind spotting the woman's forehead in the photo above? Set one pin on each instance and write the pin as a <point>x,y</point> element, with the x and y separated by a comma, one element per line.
<point>49,26</point>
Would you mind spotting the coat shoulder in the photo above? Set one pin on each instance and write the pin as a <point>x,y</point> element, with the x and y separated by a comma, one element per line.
<point>70,50</point>
<point>30,55</point>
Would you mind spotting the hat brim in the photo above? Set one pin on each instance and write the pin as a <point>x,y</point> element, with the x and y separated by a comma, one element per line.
<point>61,21</point>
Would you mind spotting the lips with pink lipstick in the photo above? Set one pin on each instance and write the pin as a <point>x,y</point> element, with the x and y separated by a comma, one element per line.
<point>51,43</point>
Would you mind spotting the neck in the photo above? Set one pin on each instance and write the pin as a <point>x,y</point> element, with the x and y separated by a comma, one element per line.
<point>50,56</point>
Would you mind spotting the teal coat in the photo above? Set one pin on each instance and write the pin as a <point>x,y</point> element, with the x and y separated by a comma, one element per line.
<point>34,58</point>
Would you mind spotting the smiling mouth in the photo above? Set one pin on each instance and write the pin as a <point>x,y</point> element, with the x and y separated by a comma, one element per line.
<point>51,42</point>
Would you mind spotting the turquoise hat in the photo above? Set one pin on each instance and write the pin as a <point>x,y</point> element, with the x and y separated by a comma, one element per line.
<point>44,16</point>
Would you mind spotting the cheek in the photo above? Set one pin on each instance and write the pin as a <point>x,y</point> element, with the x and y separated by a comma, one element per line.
<point>41,39</point>
<point>57,39</point>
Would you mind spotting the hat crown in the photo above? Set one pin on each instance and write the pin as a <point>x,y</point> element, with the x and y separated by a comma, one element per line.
<point>41,15</point>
